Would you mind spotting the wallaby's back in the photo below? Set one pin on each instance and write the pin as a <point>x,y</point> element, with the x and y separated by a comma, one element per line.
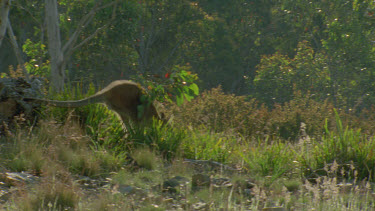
<point>122,96</point>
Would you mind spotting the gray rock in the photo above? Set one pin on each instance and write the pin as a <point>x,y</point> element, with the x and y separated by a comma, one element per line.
<point>172,184</point>
<point>200,181</point>
<point>13,178</point>
<point>274,209</point>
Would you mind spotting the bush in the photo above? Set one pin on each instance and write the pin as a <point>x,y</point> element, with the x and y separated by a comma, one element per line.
<point>285,120</point>
<point>222,113</point>
<point>228,113</point>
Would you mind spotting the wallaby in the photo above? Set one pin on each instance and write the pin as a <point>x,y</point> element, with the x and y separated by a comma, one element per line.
<point>122,96</point>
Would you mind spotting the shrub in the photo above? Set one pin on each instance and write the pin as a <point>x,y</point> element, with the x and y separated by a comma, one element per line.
<point>285,120</point>
<point>228,113</point>
<point>222,113</point>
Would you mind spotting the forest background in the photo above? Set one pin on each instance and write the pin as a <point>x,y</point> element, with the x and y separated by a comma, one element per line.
<point>267,50</point>
<point>287,89</point>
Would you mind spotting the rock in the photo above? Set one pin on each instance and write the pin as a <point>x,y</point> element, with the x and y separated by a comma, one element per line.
<point>200,181</point>
<point>17,178</point>
<point>129,190</point>
<point>244,184</point>
<point>274,209</point>
<point>221,183</point>
<point>172,184</point>
<point>89,183</point>
<point>200,206</point>
<point>209,165</point>
<point>4,193</point>
<point>125,189</point>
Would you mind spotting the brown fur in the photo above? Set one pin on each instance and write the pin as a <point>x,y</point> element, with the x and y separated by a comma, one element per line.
<point>122,96</point>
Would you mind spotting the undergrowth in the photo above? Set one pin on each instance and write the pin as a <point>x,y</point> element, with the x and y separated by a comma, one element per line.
<point>302,155</point>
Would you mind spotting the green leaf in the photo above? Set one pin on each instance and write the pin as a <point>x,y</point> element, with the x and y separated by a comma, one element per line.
<point>179,99</point>
<point>185,89</point>
<point>194,88</point>
<point>188,97</point>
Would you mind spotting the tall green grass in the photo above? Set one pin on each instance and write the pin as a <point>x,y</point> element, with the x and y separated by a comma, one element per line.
<point>346,147</point>
<point>206,145</point>
<point>269,158</point>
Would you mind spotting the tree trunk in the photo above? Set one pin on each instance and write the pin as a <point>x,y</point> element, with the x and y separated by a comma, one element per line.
<point>16,49</point>
<point>59,54</point>
<point>54,46</point>
<point>4,11</point>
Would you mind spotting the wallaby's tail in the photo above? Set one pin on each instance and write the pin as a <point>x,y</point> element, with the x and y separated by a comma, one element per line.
<point>70,103</point>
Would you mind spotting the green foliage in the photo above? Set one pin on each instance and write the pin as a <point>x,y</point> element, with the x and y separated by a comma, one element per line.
<point>38,63</point>
<point>339,35</point>
<point>278,76</point>
<point>321,48</point>
<point>300,59</point>
<point>178,85</point>
<point>208,146</point>
<point>145,158</point>
<point>162,139</point>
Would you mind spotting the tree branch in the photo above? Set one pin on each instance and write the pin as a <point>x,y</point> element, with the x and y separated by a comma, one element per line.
<point>72,49</point>
<point>16,49</point>
<point>169,56</point>
<point>82,23</point>
<point>86,20</point>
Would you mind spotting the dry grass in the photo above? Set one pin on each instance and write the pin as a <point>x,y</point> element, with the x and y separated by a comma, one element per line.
<point>76,171</point>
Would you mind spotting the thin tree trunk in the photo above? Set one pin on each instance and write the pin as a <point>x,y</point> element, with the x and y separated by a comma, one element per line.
<point>54,46</point>
<point>59,54</point>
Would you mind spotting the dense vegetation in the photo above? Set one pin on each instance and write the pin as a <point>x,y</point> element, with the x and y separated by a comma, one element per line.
<point>287,102</point>
<point>262,49</point>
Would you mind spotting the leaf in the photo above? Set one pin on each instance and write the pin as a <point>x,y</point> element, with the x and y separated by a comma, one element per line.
<point>185,89</point>
<point>179,99</point>
<point>194,88</point>
<point>188,97</point>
